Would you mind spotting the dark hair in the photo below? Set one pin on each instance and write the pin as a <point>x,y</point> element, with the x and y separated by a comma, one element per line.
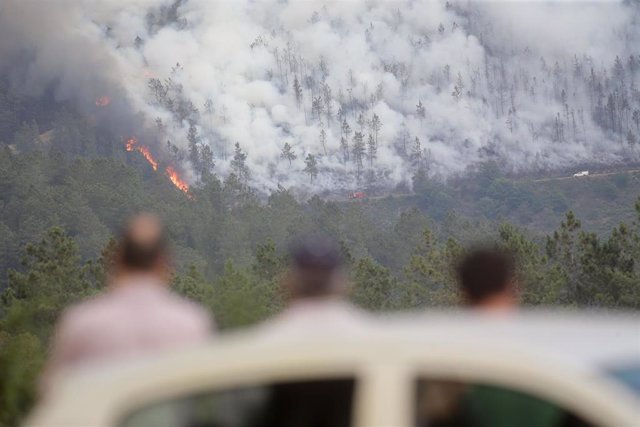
<point>483,273</point>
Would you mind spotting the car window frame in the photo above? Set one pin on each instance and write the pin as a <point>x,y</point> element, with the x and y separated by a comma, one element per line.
<point>581,391</point>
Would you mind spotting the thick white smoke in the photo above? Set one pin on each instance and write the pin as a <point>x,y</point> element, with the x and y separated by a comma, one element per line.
<point>239,61</point>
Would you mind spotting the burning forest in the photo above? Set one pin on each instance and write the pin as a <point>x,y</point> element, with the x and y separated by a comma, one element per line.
<point>345,94</point>
<point>132,145</point>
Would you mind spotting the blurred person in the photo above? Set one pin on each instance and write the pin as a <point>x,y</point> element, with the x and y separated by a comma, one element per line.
<point>137,315</point>
<point>317,307</point>
<point>487,281</point>
<point>316,288</point>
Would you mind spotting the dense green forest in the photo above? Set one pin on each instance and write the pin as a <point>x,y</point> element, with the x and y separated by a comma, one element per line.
<point>66,185</point>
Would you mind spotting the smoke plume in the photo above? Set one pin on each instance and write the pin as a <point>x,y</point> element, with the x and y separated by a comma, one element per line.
<point>433,87</point>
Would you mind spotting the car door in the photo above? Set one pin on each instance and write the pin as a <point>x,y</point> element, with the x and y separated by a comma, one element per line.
<point>515,389</point>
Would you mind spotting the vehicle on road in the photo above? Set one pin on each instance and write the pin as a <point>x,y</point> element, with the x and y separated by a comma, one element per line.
<point>586,366</point>
<point>581,173</point>
<point>357,195</point>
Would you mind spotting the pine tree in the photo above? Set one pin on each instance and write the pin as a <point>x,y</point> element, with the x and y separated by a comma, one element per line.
<point>558,129</point>
<point>194,139</point>
<point>618,71</point>
<point>238,163</point>
<point>344,146</point>
<point>612,112</point>
<point>372,150</point>
<point>297,90</point>
<point>358,151</point>
<point>327,98</point>
<point>360,121</point>
<point>374,286</point>
<point>316,108</point>
<point>206,159</point>
<point>509,121</point>
<point>345,129</point>
<point>323,140</point>
<point>311,166</point>
<point>401,140</point>
<point>340,115</point>
<point>420,112</point>
<point>458,88</point>
<point>416,153</point>
<point>287,153</point>
<point>344,140</point>
<point>376,125</point>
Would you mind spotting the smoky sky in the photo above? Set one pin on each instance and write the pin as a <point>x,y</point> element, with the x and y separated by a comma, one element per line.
<point>490,76</point>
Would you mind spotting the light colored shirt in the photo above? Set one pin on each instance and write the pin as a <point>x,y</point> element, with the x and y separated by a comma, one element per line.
<point>316,317</point>
<point>138,317</point>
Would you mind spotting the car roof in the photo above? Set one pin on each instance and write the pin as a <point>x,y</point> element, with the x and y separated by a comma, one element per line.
<point>591,337</point>
<point>596,339</point>
<point>579,341</point>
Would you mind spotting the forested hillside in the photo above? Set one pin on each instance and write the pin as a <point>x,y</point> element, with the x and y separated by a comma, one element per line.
<point>341,95</point>
<point>67,185</point>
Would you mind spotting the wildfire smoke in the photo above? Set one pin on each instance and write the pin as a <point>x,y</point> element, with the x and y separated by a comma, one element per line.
<point>103,101</point>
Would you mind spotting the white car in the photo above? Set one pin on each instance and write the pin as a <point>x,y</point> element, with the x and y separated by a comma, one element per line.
<point>581,173</point>
<point>583,369</point>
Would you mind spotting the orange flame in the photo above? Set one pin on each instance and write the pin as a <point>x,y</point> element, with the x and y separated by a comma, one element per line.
<point>147,155</point>
<point>176,180</point>
<point>132,145</point>
<point>103,101</point>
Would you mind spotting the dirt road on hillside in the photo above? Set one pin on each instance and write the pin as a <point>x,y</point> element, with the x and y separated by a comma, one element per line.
<point>557,178</point>
<point>591,175</point>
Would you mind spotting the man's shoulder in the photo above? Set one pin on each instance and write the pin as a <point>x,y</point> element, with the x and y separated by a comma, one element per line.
<point>187,308</point>
<point>85,314</point>
<point>318,317</point>
<point>108,310</point>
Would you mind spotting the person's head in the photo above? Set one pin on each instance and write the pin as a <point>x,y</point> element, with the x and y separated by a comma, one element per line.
<point>315,269</point>
<point>142,248</point>
<point>487,279</point>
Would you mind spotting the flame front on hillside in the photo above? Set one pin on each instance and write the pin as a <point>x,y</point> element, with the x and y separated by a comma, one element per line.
<point>176,180</point>
<point>132,145</point>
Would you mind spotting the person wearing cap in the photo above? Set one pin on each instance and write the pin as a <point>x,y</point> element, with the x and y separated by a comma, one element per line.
<point>316,288</point>
<point>137,315</point>
<point>317,309</point>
